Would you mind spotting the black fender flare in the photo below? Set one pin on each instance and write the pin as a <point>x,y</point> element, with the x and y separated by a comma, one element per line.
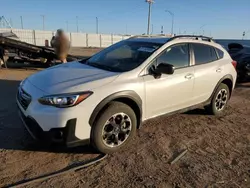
<point>228,76</point>
<point>128,94</point>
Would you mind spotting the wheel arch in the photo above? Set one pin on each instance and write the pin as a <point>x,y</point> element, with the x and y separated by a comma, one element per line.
<point>228,80</point>
<point>128,97</point>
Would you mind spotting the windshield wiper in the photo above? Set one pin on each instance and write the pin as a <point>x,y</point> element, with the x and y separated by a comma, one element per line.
<point>83,61</point>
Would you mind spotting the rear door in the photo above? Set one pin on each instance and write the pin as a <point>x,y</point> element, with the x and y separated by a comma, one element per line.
<point>208,69</point>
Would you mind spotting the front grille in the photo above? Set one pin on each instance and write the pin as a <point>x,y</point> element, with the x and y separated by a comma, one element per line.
<point>23,98</point>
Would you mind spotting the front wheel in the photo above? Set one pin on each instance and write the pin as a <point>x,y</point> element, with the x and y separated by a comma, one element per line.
<point>219,100</point>
<point>114,128</point>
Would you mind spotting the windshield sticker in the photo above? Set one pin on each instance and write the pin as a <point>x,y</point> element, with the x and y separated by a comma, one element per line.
<point>169,49</point>
<point>146,49</point>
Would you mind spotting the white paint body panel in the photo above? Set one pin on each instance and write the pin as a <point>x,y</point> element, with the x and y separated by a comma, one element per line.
<point>159,96</point>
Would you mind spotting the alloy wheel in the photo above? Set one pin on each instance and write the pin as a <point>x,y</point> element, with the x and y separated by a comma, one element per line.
<point>116,130</point>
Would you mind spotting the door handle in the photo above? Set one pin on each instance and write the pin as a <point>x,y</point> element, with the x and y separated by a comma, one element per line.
<point>218,70</point>
<point>189,76</point>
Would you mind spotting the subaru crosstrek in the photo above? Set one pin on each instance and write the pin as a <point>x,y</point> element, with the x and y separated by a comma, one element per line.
<point>104,99</point>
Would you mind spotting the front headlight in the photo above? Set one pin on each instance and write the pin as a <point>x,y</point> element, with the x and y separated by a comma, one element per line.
<point>65,100</point>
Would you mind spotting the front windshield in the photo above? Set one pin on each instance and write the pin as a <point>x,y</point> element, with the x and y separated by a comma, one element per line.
<point>123,56</point>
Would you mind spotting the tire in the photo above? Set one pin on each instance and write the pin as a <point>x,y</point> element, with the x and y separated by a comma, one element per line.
<point>103,133</point>
<point>212,108</point>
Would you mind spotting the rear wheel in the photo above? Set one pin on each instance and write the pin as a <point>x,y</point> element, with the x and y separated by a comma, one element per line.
<point>219,100</point>
<point>114,128</point>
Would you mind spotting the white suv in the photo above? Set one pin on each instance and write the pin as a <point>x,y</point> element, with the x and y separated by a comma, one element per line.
<point>105,98</point>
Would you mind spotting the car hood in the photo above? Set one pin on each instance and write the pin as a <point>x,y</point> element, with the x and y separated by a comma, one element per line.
<point>71,77</point>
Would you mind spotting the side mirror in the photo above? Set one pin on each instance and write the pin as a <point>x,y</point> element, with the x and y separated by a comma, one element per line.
<point>164,68</point>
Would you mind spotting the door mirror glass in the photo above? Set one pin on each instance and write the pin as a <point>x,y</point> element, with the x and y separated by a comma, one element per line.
<point>164,68</point>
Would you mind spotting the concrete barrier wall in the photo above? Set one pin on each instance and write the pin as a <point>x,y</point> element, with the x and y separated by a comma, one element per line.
<point>94,40</point>
<point>78,39</point>
<point>41,36</point>
<point>106,40</point>
<point>116,38</point>
<point>38,37</point>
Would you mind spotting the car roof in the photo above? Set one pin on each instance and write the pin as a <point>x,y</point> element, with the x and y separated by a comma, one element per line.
<point>160,40</point>
<point>163,39</point>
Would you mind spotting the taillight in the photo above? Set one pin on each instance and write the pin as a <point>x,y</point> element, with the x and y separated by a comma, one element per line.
<point>234,64</point>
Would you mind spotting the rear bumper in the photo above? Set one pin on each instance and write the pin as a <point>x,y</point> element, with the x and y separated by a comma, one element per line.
<point>63,136</point>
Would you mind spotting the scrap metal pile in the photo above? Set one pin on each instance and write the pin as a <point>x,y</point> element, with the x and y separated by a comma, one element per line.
<point>12,49</point>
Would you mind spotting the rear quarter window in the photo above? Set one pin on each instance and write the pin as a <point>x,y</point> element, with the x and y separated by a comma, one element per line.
<point>220,53</point>
<point>204,54</point>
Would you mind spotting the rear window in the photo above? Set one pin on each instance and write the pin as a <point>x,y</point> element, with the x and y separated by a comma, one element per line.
<point>204,54</point>
<point>220,53</point>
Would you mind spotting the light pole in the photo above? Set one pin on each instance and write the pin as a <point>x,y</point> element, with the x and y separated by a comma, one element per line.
<point>43,21</point>
<point>149,13</point>
<point>172,15</point>
<point>21,21</point>
<point>97,25</point>
<point>202,27</point>
<point>77,24</point>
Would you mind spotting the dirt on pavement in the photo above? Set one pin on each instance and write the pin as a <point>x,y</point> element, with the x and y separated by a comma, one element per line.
<point>218,149</point>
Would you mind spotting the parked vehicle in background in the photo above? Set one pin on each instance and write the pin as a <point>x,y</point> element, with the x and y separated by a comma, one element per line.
<point>105,98</point>
<point>241,54</point>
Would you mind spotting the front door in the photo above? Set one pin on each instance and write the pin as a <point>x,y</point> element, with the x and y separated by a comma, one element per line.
<point>169,93</point>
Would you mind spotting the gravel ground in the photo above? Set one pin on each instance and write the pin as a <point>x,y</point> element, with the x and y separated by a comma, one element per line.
<point>218,149</point>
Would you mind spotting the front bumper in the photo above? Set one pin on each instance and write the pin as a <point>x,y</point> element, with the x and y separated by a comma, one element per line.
<point>64,136</point>
<point>62,125</point>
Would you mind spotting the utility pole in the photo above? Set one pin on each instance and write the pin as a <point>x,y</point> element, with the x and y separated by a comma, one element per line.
<point>202,27</point>
<point>172,15</point>
<point>21,21</point>
<point>97,25</point>
<point>150,2</point>
<point>162,29</point>
<point>152,29</point>
<point>43,21</point>
<point>77,24</point>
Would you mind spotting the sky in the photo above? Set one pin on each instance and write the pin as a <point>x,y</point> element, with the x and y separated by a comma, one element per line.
<point>217,18</point>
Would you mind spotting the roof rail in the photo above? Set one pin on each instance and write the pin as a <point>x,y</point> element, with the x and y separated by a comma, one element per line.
<point>149,36</point>
<point>196,37</point>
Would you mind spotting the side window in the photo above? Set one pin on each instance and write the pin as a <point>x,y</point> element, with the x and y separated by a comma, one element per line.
<point>204,54</point>
<point>220,53</point>
<point>176,55</point>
